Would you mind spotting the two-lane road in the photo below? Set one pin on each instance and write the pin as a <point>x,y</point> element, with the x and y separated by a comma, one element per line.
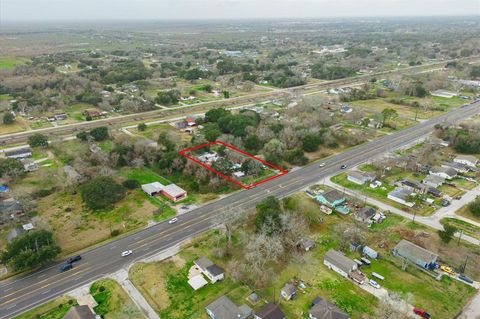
<point>19,294</point>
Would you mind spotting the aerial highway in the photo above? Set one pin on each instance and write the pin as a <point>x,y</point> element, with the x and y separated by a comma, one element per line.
<point>22,293</point>
<point>165,113</point>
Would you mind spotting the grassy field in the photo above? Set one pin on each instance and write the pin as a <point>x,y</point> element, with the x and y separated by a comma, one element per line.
<point>404,112</point>
<point>465,212</point>
<point>464,226</point>
<point>54,309</point>
<point>113,302</point>
<point>11,62</point>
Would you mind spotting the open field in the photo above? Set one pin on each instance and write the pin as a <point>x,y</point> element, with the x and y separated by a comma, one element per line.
<point>113,302</point>
<point>463,226</point>
<point>54,309</point>
<point>465,212</point>
<point>11,62</point>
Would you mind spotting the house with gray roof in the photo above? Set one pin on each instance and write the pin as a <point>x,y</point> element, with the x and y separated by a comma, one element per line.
<point>469,160</point>
<point>14,233</point>
<point>433,181</point>
<point>415,254</point>
<point>224,308</point>
<point>209,269</point>
<point>359,178</point>
<point>288,292</point>
<point>339,263</point>
<point>400,195</point>
<point>19,153</point>
<point>324,309</point>
<point>445,172</point>
<point>80,312</point>
<point>365,214</point>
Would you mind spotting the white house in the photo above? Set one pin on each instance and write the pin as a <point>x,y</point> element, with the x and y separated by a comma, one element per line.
<point>433,181</point>
<point>209,269</point>
<point>358,177</point>
<point>339,263</point>
<point>152,188</point>
<point>445,172</point>
<point>469,160</point>
<point>400,195</point>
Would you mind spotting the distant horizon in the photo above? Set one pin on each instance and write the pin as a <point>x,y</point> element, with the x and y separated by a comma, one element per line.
<point>212,10</point>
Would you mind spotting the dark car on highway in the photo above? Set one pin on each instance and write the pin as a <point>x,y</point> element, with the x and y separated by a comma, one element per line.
<point>66,267</point>
<point>71,260</point>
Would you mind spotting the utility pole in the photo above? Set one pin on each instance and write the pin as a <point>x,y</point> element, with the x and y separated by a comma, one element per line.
<point>464,266</point>
<point>460,237</point>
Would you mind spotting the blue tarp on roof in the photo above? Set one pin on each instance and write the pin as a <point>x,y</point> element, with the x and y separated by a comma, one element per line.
<point>3,188</point>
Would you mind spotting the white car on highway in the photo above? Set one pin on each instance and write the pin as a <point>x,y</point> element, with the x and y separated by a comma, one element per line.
<point>126,253</point>
<point>173,220</point>
<point>322,164</point>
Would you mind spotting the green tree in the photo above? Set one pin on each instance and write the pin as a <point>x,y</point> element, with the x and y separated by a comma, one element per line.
<point>214,115</point>
<point>226,94</point>
<point>83,136</point>
<point>142,127</point>
<point>446,235</point>
<point>131,184</point>
<point>474,207</point>
<point>268,216</point>
<point>99,133</point>
<point>32,249</point>
<point>388,114</point>
<point>10,167</point>
<point>38,140</point>
<point>310,142</point>
<point>253,143</point>
<point>211,134</point>
<point>8,118</point>
<point>101,192</point>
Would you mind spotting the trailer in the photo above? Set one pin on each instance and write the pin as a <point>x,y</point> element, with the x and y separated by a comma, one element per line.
<point>365,261</point>
<point>374,274</point>
<point>369,252</point>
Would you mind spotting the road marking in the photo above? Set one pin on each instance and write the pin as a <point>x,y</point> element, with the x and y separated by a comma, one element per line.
<point>46,292</point>
<point>113,247</point>
<point>41,276</point>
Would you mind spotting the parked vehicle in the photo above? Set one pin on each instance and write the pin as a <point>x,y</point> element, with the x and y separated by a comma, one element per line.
<point>374,284</point>
<point>126,253</point>
<point>448,270</point>
<point>422,313</point>
<point>73,259</point>
<point>465,278</point>
<point>66,267</point>
<point>366,261</point>
<point>374,274</point>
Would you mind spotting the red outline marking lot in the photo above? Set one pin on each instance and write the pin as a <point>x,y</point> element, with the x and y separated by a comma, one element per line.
<point>185,151</point>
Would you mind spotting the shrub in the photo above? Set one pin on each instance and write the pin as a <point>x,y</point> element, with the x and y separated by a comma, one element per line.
<point>131,184</point>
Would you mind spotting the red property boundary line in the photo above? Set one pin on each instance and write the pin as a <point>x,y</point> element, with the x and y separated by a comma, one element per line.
<point>185,151</point>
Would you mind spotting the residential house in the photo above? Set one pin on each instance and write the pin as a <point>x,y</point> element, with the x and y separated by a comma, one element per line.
<point>346,109</point>
<point>197,282</point>
<point>332,198</point>
<point>412,186</point>
<point>288,292</point>
<point>307,244</point>
<point>29,165</point>
<point>152,189</point>
<point>365,214</point>
<point>469,160</point>
<point>400,195</point>
<point>174,192</point>
<point>447,173</point>
<point>434,192</point>
<point>444,93</point>
<point>459,167</point>
<point>372,123</point>
<point>80,312</point>
<point>224,308</point>
<point>72,174</point>
<point>94,148</point>
<point>61,116</point>
<point>359,178</point>
<point>339,263</point>
<point>209,269</point>
<point>415,254</point>
<point>19,153</point>
<point>324,309</point>
<point>10,209</point>
<point>433,181</point>
<point>269,311</point>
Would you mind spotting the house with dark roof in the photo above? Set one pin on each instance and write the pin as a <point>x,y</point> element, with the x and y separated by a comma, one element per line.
<point>19,153</point>
<point>365,214</point>
<point>269,311</point>
<point>224,308</point>
<point>413,186</point>
<point>324,309</point>
<point>332,198</point>
<point>80,312</point>
<point>469,160</point>
<point>459,167</point>
<point>10,210</point>
<point>307,244</point>
<point>209,269</point>
<point>339,263</point>
<point>415,254</point>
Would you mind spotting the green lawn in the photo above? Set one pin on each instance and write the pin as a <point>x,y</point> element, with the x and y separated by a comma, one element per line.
<point>113,302</point>
<point>54,309</point>
<point>144,176</point>
<point>464,226</point>
<point>11,62</point>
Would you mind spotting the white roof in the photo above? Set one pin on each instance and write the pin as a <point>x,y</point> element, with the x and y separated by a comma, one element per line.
<point>28,226</point>
<point>173,190</point>
<point>239,174</point>
<point>151,188</point>
<point>197,282</point>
